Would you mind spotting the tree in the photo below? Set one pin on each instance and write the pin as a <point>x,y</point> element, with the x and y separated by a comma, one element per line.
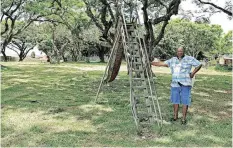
<point>74,18</point>
<point>160,12</point>
<point>102,9</point>
<point>197,38</point>
<point>54,41</point>
<point>24,42</point>
<point>44,39</point>
<point>224,44</point>
<point>93,44</point>
<point>27,10</point>
<point>61,38</point>
<point>212,9</point>
<point>108,12</point>
<point>33,54</point>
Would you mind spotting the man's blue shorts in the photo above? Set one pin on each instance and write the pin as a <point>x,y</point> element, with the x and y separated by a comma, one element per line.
<point>181,94</point>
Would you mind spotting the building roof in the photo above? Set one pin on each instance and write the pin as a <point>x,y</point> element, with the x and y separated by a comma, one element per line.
<point>227,57</point>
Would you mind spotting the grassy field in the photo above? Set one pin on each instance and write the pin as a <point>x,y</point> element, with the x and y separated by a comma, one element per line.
<point>53,105</point>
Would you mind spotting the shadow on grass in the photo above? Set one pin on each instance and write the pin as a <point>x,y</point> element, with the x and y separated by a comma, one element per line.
<point>56,108</point>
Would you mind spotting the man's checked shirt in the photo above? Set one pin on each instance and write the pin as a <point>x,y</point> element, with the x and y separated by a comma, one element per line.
<point>181,70</point>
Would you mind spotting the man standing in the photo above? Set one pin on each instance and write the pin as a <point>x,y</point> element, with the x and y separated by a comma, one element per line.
<point>181,84</point>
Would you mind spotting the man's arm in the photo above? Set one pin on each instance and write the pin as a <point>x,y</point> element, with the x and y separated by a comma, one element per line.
<point>159,64</point>
<point>195,71</point>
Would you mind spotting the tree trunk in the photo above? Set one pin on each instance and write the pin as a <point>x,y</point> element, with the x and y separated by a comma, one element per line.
<point>149,37</point>
<point>151,40</point>
<point>4,55</point>
<point>74,56</point>
<point>101,54</point>
<point>3,50</point>
<point>20,59</point>
<point>63,57</point>
<point>21,56</point>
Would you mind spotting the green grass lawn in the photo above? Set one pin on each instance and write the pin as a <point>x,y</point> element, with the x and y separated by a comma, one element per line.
<point>53,105</point>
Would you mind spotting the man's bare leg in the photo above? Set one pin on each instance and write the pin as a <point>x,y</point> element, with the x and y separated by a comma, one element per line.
<point>176,108</point>
<point>184,110</point>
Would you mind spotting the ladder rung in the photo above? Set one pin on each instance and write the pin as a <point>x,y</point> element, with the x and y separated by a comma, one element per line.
<point>140,87</point>
<point>137,75</point>
<point>150,96</point>
<point>136,84</point>
<point>129,32</point>
<point>130,29</point>
<point>142,105</point>
<point>132,37</point>
<point>141,96</point>
<point>136,56</point>
<point>137,63</point>
<point>130,42</point>
<point>129,24</point>
<point>144,115</point>
<point>135,53</point>
<point>138,79</point>
<point>135,49</point>
<point>137,70</point>
<point>144,124</point>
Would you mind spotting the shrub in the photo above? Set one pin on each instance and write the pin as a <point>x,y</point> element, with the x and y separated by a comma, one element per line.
<point>224,68</point>
<point>33,55</point>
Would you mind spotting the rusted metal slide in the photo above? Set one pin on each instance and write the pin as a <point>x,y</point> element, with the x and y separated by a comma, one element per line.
<point>113,72</point>
<point>115,61</point>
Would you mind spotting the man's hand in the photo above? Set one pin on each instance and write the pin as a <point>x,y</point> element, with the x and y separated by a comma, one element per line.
<point>191,75</point>
<point>159,64</point>
<point>195,71</point>
<point>153,63</point>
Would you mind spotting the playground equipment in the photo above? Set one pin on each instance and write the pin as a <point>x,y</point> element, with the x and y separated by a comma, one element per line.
<point>143,98</point>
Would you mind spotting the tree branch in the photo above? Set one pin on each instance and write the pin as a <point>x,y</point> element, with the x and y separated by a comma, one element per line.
<point>13,50</point>
<point>17,44</point>
<point>16,8</point>
<point>6,26</point>
<point>28,50</point>
<point>218,7</point>
<point>161,34</point>
<point>58,2</point>
<point>63,46</point>
<point>172,9</point>
<point>111,12</point>
<point>162,4</point>
<point>91,15</point>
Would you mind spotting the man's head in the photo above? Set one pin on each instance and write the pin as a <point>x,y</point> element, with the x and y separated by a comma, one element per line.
<point>180,52</point>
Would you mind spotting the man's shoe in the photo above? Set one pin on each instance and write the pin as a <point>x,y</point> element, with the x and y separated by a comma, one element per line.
<point>173,119</point>
<point>183,122</point>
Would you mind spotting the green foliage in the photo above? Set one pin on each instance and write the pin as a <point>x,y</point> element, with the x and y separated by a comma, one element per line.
<point>224,68</point>
<point>29,35</point>
<point>45,38</point>
<point>25,41</point>
<point>91,35</point>
<point>225,44</point>
<point>213,62</point>
<point>71,24</point>
<point>195,37</point>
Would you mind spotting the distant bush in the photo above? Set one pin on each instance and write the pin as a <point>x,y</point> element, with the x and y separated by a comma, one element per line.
<point>212,62</point>
<point>33,55</point>
<point>223,68</point>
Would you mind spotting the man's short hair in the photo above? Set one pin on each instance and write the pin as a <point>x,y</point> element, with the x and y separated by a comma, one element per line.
<point>183,47</point>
